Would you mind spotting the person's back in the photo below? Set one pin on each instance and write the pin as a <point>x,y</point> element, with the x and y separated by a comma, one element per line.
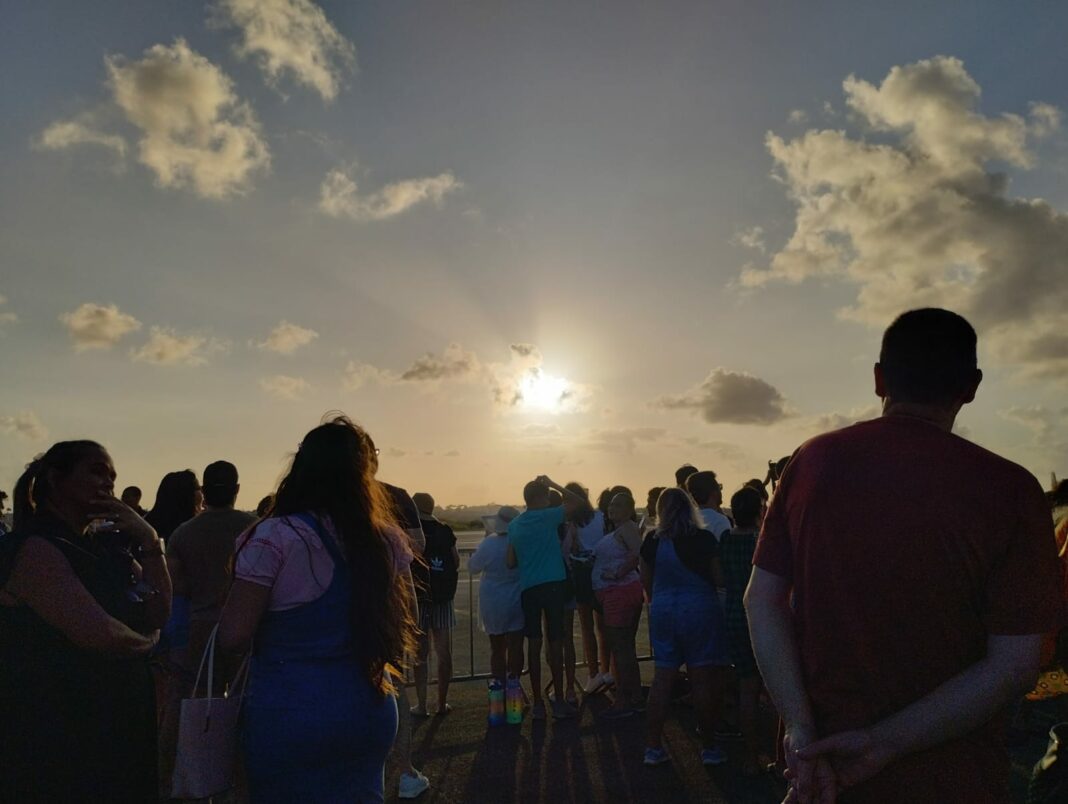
<point>442,571</point>
<point>533,535</point>
<point>901,535</point>
<point>917,562</point>
<point>205,547</point>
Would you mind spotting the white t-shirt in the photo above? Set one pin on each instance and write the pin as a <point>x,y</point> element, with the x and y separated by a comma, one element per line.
<point>592,532</point>
<point>287,555</point>
<point>715,522</point>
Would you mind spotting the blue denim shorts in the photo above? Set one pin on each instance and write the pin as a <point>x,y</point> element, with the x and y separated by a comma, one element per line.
<point>689,631</point>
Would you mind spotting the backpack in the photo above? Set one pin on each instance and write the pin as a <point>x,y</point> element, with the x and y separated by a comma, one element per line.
<point>441,572</point>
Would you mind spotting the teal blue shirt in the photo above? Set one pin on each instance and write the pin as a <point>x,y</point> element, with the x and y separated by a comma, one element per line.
<point>533,535</point>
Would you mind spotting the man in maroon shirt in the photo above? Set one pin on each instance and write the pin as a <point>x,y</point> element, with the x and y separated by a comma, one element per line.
<point>902,583</point>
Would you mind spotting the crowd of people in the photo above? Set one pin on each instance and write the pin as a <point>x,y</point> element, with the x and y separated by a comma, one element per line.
<point>891,587</point>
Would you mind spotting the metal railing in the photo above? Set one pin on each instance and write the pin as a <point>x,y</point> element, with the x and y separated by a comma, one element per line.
<point>475,633</point>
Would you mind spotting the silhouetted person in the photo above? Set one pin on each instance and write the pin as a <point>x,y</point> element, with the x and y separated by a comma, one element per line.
<point>707,492</point>
<point>436,580</point>
<point>903,580</point>
<point>131,495</point>
<point>78,718</point>
<point>683,473</point>
<point>321,596</point>
<point>534,547</point>
<point>200,551</point>
<point>3,506</point>
<point>264,506</point>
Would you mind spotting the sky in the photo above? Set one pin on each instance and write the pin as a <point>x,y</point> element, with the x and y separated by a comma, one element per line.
<point>589,240</point>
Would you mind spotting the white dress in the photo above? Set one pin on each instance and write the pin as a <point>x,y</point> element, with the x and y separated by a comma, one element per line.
<point>499,608</point>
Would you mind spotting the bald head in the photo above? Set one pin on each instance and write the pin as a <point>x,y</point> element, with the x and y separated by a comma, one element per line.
<point>424,502</point>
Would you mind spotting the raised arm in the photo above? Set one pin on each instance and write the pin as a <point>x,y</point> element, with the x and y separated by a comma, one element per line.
<point>567,493</point>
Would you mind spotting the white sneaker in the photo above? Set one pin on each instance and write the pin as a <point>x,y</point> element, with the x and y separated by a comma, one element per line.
<point>595,684</point>
<point>413,786</point>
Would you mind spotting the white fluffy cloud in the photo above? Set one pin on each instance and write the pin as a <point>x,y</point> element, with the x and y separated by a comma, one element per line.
<point>25,424</point>
<point>195,131</point>
<point>730,397</point>
<point>357,375</point>
<point>165,347</point>
<point>285,387</point>
<point>98,326</point>
<point>290,37</point>
<point>72,133</point>
<point>286,338</point>
<point>339,197</point>
<point>921,218</point>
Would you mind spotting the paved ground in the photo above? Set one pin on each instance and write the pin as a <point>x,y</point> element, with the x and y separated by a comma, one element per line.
<point>584,760</point>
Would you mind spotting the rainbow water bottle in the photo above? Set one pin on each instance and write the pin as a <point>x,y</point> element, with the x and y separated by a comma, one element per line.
<point>514,701</point>
<point>496,703</point>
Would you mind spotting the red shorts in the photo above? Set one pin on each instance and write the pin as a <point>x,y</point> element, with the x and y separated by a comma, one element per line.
<point>621,605</point>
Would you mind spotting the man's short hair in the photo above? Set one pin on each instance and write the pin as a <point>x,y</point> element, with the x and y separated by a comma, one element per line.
<point>535,494</point>
<point>745,507</point>
<point>928,356</point>
<point>131,491</point>
<point>424,502</point>
<point>220,484</point>
<point>683,473</point>
<point>701,485</point>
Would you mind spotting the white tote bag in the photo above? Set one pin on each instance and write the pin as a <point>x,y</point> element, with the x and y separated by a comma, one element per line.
<point>207,734</point>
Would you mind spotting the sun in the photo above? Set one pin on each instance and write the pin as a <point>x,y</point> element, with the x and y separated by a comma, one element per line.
<point>544,392</point>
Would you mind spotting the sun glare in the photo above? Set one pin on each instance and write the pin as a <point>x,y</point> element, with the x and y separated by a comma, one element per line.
<point>544,392</point>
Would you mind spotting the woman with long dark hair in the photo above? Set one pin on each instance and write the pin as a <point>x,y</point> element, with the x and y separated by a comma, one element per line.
<point>322,590</point>
<point>179,499</point>
<point>83,590</point>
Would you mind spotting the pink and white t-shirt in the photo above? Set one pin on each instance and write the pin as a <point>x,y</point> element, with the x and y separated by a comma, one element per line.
<point>287,555</point>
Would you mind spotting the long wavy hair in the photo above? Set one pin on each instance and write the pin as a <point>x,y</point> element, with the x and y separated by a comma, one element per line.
<point>333,475</point>
<point>676,514</point>
<point>34,486</point>
<point>175,502</point>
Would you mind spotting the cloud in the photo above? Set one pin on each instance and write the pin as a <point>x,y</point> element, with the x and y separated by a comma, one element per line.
<point>98,326</point>
<point>921,218</point>
<point>195,131</point>
<point>623,439</point>
<point>836,421</point>
<point>290,37</point>
<point>1039,419</point>
<point>339,196</point>
<point>730,453</point>
<point>72,133</point>
<point>454,363</point>
<point>357,375</point>
<point>452,453</point>
<point>393,452</point>
<point>753,238</point>
<point>6,317</point>
<point>523,382</point>
<point>286,338</point>
<point>165,347</point>
<point>285,387</point>
<point>798,116</point>
<point>25,424</point>
<point>729,397</point>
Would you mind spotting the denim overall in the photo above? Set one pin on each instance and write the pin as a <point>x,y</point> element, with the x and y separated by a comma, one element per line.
<point>314,727</point>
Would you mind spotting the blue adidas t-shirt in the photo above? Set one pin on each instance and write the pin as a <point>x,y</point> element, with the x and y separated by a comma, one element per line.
<point>533,535</point>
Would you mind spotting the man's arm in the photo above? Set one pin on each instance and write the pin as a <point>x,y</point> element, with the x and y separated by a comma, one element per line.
<point>771,629</point>
<point>567,493</point>
<point>956,708</point>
